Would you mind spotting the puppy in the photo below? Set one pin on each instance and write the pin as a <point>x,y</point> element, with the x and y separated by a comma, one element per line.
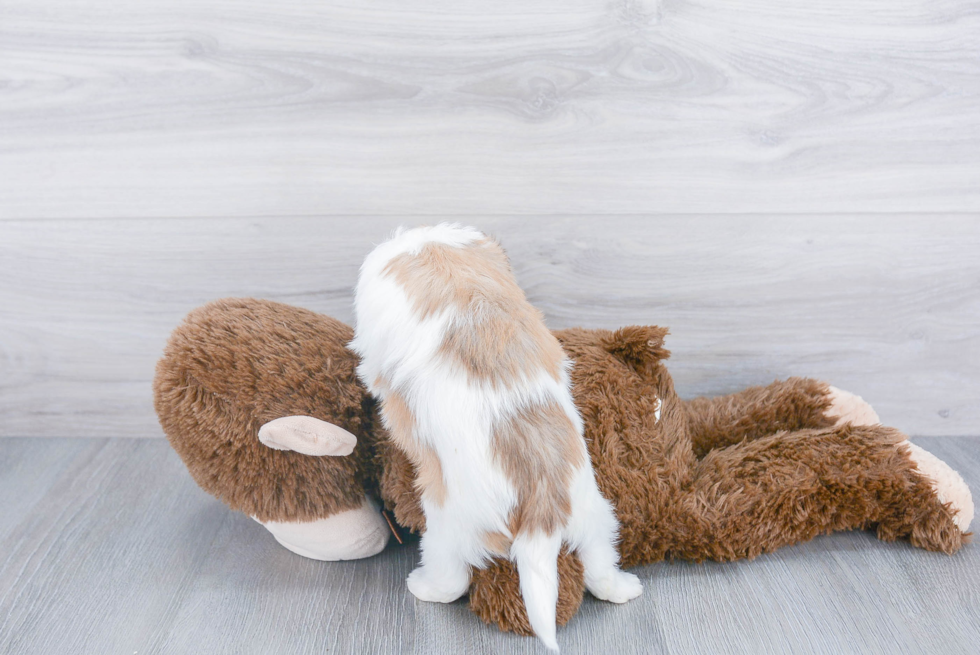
<point>475,389</point>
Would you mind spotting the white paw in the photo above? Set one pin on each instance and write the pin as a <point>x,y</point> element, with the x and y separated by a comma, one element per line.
<point>849,408</point>
<point>950,487</point>
<point>616,587</point>
<point>434,588</point>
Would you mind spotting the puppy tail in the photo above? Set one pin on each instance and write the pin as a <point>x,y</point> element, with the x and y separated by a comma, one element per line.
<point>536,556</point>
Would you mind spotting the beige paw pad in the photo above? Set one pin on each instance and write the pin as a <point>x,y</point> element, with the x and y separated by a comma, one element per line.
<point>950,487</point>
<point>847,407</point>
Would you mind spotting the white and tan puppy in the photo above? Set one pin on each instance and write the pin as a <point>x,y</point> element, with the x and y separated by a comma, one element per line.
<point>475,389</point>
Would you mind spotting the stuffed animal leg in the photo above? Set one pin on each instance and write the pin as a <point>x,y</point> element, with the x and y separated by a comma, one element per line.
<point>797,404</point>
<point>743,474</point>
<point>785,488</point>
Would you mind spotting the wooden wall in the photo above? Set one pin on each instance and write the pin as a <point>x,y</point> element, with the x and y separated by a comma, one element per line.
<point>793,189</point>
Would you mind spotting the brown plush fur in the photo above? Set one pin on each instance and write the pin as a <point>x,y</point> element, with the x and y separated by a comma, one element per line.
<point>495,593</point>
<point>236,364</point>
<point>720,478</point>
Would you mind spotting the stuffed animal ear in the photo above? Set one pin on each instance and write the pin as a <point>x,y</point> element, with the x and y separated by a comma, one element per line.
<point>638,346</point>
<point>307,435</point>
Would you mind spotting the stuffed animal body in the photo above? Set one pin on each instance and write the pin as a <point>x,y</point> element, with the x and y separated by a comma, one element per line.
<point>262,401</point>
<point>475,390</point>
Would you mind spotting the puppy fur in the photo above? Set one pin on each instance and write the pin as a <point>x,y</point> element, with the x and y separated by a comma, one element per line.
<point>476,391</point>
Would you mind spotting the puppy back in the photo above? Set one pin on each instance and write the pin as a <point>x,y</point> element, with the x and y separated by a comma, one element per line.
<point>459,282</point>
<point>493,335</point>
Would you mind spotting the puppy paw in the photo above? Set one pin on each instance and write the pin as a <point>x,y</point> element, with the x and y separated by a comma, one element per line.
<point>431,588</point>
<point>949,486</point>
<point>845,407</point>
<point>616,587</point>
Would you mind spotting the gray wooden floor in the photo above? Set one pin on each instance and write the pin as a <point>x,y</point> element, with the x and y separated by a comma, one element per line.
<point>107,546</point>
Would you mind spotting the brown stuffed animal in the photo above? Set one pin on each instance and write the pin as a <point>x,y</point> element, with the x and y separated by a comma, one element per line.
<point>262,403</point>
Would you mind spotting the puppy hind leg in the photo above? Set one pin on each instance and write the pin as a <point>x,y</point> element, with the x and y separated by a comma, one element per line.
<point>592,531</point>
<point>444,575</point>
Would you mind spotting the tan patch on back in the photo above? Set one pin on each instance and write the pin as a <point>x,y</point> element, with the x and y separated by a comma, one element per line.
<point>539,450</point>
<point>429,480</point>
<point>500,334</point>
<point>400,422</point>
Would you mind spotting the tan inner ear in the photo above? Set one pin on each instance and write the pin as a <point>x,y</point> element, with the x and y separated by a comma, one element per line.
<point>307,435</point>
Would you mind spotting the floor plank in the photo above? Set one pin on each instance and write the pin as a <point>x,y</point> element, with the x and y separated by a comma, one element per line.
<point>109,547</point>
<point>114,109</point>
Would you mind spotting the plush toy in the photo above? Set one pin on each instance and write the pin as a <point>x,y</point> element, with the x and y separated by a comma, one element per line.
<point>262,403</point>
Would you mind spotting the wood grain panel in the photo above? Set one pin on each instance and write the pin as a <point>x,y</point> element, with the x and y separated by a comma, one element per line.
<point>122,553</point>
<point>887,307</point>
<point>114,109</point>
